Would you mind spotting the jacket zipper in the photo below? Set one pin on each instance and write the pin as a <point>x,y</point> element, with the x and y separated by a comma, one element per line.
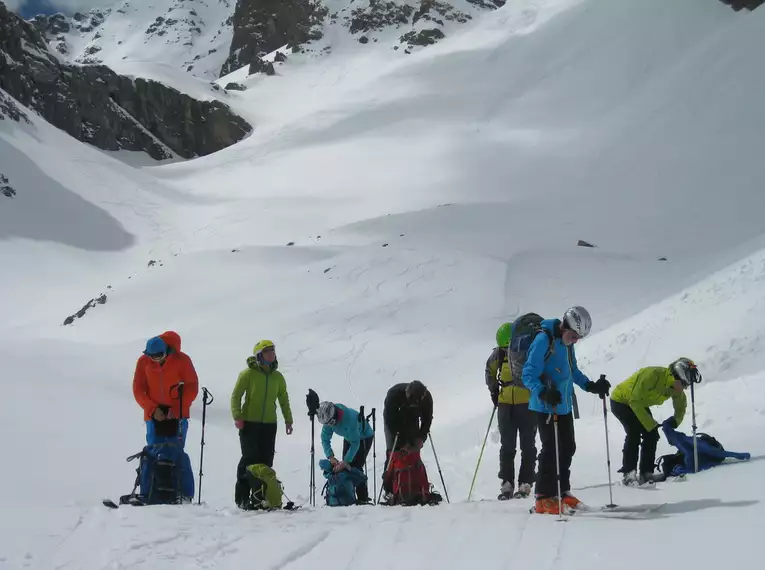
<point>265,397</point>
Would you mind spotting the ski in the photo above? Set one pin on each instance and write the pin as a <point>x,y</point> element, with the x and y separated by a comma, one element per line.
<point>619,511</point>
<point>109,503</point>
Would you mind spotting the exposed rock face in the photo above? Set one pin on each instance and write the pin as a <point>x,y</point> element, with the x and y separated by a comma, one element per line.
<point>112,112</point>
<point>741,4</point>
<point>5,188</point>
<point>261,26</point>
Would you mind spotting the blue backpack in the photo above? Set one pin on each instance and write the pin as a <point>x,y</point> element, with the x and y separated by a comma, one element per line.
<point>340,488</point>
<point>165,474</point>
<point>710,451</point>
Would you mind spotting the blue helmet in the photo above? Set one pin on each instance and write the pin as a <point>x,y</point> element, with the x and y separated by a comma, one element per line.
<point>155,346</point>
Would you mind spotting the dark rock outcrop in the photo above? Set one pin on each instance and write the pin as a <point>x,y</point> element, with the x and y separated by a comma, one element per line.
<point>235,87</point>
<point>423,37</point>
<point>100,300</point>
<point>379,15</point>
<point>261,26</point>
<point>10,110</point>
<point>741,4</point>
<point>5,188</point>
<point>110,111</point>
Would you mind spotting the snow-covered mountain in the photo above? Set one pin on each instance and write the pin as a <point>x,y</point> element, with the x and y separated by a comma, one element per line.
<point>386,214</point>
<point>193,35</point>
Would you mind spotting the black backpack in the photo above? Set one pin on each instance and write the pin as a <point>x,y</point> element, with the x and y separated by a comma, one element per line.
<point>525,330</point>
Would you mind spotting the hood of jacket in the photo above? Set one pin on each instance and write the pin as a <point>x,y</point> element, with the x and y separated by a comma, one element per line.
<point>252,362</point>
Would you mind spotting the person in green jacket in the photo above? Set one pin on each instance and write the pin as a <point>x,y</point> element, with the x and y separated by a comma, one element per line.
<point>514,419</point>
<point>262,385</point>
<point>630,403</point>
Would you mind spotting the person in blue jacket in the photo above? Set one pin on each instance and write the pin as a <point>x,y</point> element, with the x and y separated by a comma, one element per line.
<point>357,437</point>
<point>550,373</point>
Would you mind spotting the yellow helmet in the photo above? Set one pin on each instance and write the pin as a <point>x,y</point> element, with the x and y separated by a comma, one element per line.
<point>261,345</point>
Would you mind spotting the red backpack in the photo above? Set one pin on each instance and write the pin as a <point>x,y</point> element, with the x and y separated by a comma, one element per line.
<point>410,480</point>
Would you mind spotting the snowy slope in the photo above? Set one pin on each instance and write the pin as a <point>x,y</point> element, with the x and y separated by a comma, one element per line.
<point>190,35</point>
<point>430,198</point>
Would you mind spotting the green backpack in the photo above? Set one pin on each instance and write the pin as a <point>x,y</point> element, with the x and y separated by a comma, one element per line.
<point>265,488</point>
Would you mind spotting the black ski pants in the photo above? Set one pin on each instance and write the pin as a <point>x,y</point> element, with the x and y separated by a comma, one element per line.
<point>637,440</point>
<point>517,420</point>
<point>547,480</point>
<point>359,462</point>
<point>258,443</point>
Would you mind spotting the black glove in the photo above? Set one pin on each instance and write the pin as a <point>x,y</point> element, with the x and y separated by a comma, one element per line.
<point>601,387</point>
<point>495,398</point>
<point>551,396</point>
<point>671,422</point>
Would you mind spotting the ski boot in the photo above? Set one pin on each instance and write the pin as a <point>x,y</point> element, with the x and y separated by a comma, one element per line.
<point>506,491</point>
<point>548,506</point>
<point>571,501</point>
<point>524,490</point>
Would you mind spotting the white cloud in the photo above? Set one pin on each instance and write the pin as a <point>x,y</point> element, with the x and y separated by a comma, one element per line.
<point>12,5</point>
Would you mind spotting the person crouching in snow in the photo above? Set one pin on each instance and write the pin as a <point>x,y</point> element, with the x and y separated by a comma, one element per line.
<point>357,437</point>
<point>262,385</point>
<point>630,403</point>
<point>159,372</point>
<point>551,383</point>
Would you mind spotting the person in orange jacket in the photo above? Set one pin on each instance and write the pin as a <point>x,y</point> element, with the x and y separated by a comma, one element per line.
<point>159,372</point>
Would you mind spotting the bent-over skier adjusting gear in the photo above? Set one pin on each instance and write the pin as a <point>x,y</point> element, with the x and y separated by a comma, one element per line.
<point>630,403</point>
<point>514,418</point>
<point>262,385</point>
<point>357,437</point>
<point>551,385</point>
<point>407,417</point>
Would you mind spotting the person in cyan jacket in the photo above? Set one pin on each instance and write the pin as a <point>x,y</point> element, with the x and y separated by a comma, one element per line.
<point>262,385</point>
<point>630,403</point>
<point>551,383</point>
<point>357,437</point>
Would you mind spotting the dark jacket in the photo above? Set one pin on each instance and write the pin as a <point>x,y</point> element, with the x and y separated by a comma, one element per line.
<point>410,422</point>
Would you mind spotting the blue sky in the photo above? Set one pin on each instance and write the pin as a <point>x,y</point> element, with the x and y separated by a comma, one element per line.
<point>29,8</point>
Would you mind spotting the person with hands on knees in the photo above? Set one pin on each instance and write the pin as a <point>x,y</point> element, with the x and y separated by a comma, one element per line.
<point>516,421</point>
<point>262,385</point>
<point>159,373</point>
<point>357,437</point>
<point>549,373</point>
<point>630,403</point>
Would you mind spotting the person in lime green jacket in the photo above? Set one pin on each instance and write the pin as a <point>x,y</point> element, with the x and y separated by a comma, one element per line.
<point>630,403</point>
<point>262,385</point>
<point>514,418</point>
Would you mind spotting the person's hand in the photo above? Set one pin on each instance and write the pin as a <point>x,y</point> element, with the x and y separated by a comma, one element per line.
<point>551,396</point>
<point>495,398</point>
<point>333,461</point>
<point>289,429</point>
<point>159,414</point>
<point>340,466</point>
<point>239,424</point>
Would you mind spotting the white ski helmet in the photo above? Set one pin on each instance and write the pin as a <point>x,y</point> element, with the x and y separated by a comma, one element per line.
<point>326,413</point>
<point>578,320</point>
<point>684,369</point>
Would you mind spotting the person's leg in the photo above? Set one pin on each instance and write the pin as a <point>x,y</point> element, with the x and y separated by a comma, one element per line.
<point>249,447</point>
<point>546,484</point>
<point>267,443</point>
<point>632,429</point>
<point>508,430</point>
<point>359,462</point>
<point>527,427</point>
<point>567,444</point>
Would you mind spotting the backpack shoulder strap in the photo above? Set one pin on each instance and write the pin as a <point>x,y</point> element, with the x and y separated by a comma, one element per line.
<point>550,343</point>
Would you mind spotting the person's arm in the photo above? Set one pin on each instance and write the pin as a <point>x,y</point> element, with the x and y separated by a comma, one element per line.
<point>535,364</point>
<point>236,396</point>
<point>326,441</point>
<point>284,402</point>
<point>141,388</point>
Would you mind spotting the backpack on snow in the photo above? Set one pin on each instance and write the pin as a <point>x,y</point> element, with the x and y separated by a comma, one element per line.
<point>409,480</point>
<point>164,476</point>
<point>340,488</point>
<point>710,452</point>
<point>525,330</point>
<point>265,488</point>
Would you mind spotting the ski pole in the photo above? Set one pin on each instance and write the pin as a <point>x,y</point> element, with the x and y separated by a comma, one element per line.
<point>440,474</point>
<point>693,417</point>
<point>387,469</point>
<point>374,452</point>
<point>488,429</point>
<point>312,484</point>
<point>362,419</point>
<point>207,399</point>
<point>611,505</point>
<point>557,464</point>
